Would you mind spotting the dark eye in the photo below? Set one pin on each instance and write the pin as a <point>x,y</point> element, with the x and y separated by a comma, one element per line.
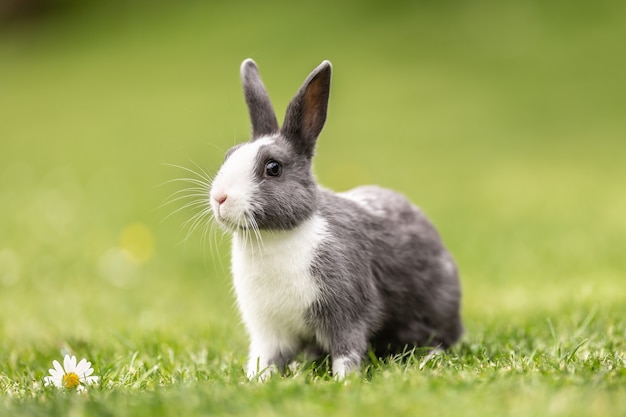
<point>273,169</point>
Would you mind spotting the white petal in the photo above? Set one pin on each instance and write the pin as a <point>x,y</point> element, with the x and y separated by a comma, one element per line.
<point>87,372</point>
<point>66,364</point>
<point>58,367</point>
<point>54,380</point>
<point>92,379</point>
<point>80,388</point>
<point>72,364</point>
<point>82,365</point>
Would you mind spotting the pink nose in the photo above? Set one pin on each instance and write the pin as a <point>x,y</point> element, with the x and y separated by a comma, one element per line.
<point>220,198</point>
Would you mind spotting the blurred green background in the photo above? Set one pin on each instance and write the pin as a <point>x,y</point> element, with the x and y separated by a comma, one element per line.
<point>504,120</point>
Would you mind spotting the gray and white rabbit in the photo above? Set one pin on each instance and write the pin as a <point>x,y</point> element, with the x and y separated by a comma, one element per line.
<point>323,271</point>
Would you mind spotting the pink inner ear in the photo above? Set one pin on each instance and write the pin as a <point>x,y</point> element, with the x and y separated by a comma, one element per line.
<point>313,107</point>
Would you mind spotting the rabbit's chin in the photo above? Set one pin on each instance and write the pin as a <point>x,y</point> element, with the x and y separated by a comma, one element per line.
<point>231,226</point>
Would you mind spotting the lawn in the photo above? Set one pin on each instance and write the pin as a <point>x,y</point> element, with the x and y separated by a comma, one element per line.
<point>504,121</point>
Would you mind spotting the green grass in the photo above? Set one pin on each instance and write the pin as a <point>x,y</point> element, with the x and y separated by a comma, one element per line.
<point>571,368</point>
<point>503,121</point>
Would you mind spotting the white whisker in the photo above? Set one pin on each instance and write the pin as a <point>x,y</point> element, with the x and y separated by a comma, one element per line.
<point>194,203</point>
<point>201,182</point>
<point>194,197</point>
<point>186,193</point>
<point>207,178</point>
<point>255,228</point>
<point>205,174</point>
<point>196,221</point>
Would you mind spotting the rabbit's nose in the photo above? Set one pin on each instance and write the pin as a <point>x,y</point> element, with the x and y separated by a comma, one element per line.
<point>220,198</point>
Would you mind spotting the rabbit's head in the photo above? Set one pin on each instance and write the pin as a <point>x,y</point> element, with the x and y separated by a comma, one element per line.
<point>267,183</point>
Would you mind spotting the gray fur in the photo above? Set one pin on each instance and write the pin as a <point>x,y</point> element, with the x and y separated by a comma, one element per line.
<point>290,199</point>
<point>262,116</point>
<point>386,278</point>
<point>404,288</point>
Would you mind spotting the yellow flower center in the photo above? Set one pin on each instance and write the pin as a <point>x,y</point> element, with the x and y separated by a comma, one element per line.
<point>70,380</point>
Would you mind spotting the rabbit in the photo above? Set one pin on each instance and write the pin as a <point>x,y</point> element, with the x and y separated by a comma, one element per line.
<point>313,270</point>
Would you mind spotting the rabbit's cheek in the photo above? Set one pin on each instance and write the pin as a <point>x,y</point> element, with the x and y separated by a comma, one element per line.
<point>235,186</point>
<point>238,173</point>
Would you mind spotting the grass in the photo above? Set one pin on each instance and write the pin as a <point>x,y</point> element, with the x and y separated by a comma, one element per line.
<point>571,368</point>
<point>504,121</point>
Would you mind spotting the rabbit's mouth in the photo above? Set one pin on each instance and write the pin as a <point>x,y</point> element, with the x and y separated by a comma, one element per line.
<point>242,223</point>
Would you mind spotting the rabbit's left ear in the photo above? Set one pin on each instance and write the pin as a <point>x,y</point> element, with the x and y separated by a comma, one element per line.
<point>262,116</point>
<point>306,112</point>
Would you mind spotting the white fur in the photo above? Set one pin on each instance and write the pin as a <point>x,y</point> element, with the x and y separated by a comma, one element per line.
<point>364,201</point>
<point>275,288</point>
<point>235,180</point>
<point>432,354</point>
<point>343,365</point>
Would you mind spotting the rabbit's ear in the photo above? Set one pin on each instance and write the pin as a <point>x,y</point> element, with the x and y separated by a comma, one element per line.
<point>262,116</point>
<point>306,113</point>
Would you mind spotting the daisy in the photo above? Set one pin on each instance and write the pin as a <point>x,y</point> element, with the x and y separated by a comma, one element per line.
<point>71,375</point>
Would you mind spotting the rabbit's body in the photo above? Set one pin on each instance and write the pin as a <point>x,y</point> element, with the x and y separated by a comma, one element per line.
<point>319,270</point>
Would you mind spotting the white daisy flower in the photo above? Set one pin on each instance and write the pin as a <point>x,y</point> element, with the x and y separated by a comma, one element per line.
<point>71,375</point>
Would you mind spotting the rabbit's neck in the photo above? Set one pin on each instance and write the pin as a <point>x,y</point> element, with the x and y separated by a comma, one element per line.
<point>295,246</point>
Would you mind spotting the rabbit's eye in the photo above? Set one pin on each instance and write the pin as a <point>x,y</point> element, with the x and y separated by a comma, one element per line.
<point>273,169</point>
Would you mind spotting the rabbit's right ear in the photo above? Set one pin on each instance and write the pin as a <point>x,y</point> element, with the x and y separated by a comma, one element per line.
<point>262,116</point>
<point>306,113</point>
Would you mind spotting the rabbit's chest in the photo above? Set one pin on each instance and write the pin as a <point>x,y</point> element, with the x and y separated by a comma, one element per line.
<point>273,279</point>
